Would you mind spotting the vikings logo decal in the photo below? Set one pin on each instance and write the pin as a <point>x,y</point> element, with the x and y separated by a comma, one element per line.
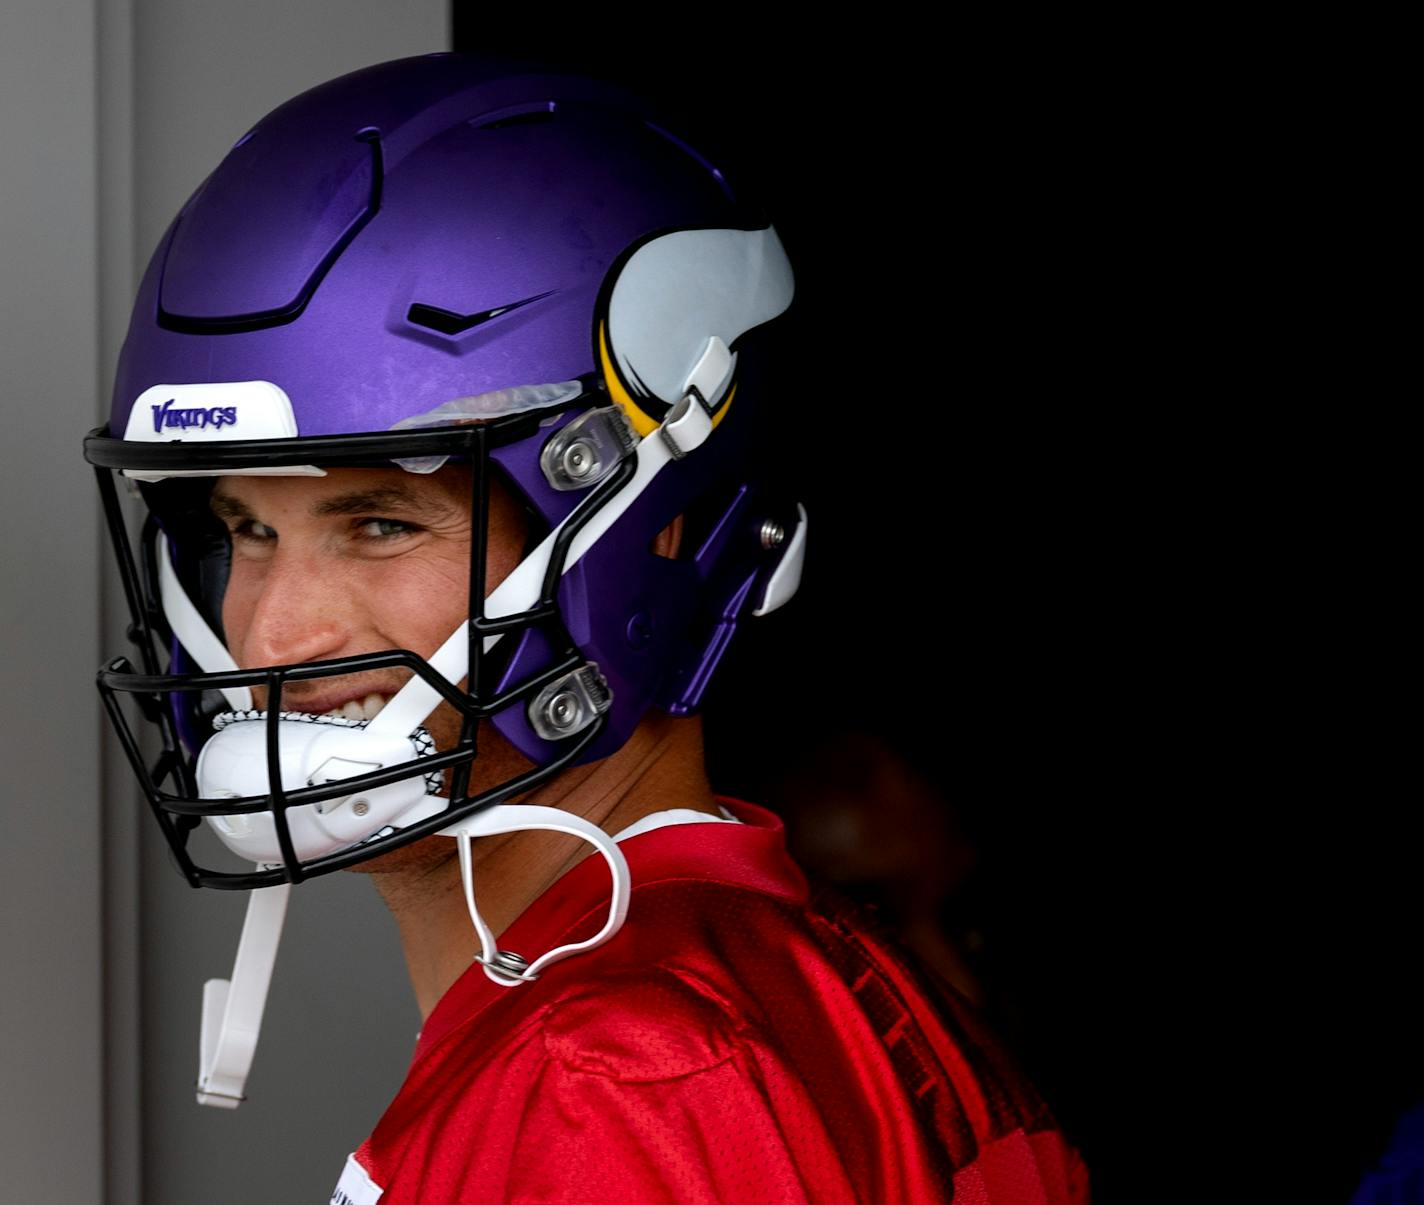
<point>676,297</point>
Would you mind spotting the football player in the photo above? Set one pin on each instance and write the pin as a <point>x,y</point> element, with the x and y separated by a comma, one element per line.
<point>443,396</point>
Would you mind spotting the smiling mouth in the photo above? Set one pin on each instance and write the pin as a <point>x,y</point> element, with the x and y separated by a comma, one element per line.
<point>352,701</point>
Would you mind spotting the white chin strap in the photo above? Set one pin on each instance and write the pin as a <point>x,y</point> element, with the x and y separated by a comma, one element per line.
<point>232,1009</point>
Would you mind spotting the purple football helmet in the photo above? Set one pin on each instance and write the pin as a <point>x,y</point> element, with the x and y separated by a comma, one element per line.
<point>445,258</point>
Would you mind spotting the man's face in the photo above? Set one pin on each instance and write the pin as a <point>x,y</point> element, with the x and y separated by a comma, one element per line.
<point>360,561</point>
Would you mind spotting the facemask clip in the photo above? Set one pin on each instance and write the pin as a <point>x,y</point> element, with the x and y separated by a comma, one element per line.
<point>586,450</point>
<point>570,704</point>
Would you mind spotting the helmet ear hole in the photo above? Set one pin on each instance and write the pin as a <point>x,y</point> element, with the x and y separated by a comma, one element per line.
<point>668,543</point>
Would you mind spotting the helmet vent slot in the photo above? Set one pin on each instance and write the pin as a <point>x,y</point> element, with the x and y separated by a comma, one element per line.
<point>534,117</point>
<point>448,322</point>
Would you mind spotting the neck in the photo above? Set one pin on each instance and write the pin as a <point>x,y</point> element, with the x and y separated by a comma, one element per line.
<point>661,766</point>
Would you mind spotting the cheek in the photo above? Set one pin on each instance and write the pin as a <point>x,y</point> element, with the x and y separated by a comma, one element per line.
<point>418,605</point>
<point>504,557</point>
<point>239,595</point>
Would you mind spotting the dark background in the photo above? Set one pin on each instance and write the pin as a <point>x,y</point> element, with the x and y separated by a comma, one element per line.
<point>1061,563</point>
<point>957,550</point>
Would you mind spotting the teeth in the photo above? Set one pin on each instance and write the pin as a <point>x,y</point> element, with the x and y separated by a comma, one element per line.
<point>363,709</point>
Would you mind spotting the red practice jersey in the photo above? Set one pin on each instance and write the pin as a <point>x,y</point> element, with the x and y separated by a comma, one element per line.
<point>736,1041</point>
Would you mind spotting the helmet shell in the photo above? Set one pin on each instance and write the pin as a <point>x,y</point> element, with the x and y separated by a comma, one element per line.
<point>501,200</point>
<point>445,226</point>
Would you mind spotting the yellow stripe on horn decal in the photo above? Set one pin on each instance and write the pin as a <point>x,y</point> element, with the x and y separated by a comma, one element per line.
<point>643,423</point>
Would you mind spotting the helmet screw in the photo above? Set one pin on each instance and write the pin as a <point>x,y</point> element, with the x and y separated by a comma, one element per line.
<point>578,459</point>
<point>360,806</point>
<point>563,710</point>
<point>773,535</point>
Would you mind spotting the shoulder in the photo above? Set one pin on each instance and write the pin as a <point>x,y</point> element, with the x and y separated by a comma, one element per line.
<point>642,1025</point>
<point>699,975</point>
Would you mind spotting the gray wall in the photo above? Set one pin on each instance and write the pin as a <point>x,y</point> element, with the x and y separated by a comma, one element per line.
<point>51,976</point>
<point>111,113</point>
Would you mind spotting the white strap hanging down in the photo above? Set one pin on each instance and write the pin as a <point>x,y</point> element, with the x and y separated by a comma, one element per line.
<point>232,1009</point>
<point>516,817</point>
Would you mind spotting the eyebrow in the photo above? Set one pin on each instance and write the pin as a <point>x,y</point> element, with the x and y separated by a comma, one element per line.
<point>358,502</point>
<point>225,506</point>
<point>386,498</point>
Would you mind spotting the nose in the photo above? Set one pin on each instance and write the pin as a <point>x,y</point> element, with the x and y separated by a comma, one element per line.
<point>296,613</point>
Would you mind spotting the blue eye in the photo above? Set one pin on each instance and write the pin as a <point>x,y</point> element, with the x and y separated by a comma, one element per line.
<point>384,529</point>
<point>251,529</point>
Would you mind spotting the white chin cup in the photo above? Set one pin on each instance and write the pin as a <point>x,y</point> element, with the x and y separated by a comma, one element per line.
<point>314,751</point>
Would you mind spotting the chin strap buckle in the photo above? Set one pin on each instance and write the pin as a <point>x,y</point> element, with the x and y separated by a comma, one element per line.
<point>232,1008</point>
